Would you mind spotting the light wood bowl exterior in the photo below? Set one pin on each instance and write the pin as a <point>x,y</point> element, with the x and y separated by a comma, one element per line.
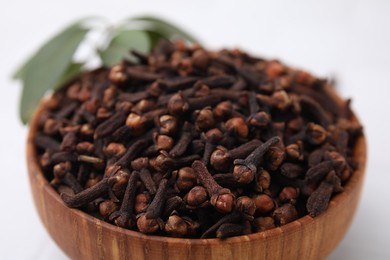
<point>82,236</point>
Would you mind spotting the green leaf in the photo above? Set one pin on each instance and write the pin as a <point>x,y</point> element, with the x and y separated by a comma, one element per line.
<point>154,38</point>
<point>164,28</point>
<point>52,65</point>
<point>70,73</point>
<point>19,74</point>
<point>44,70</point>
<point>119,46</point>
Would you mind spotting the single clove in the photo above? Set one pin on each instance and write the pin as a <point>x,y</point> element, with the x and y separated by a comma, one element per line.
<point>122,218</point>
<point>245,170</point>
<point>221,198</point>
<point>150,221</point>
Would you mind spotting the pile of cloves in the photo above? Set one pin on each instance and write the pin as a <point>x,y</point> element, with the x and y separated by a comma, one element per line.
<point>186,142</point>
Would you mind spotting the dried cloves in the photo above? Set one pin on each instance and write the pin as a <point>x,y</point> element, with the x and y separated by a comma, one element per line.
<point>221,159</point>
<point>122,217</point>
<point>263,223</point>
<point>285,214</point>
<point>221,198</point>
<point>229,230</point>
<point>245,170</point>
<point>185,139</point>
<point>319,199</point>
<point>150,222</point>
<point>87,195</point>
<point>176,226</point>
<point>186,179</point>
<point>185,142</point>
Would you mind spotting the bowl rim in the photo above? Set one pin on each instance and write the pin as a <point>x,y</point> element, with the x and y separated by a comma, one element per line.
<point>360,153</point>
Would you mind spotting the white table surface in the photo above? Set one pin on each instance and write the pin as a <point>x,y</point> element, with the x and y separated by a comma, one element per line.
<point>347,39</point>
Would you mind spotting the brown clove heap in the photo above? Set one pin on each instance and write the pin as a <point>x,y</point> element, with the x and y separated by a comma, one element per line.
<point>194,143</point>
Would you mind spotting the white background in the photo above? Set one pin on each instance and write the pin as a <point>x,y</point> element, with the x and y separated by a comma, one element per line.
<point>347,39</point>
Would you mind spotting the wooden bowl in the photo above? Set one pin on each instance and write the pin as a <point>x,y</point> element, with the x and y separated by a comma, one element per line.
<point>82,236</point>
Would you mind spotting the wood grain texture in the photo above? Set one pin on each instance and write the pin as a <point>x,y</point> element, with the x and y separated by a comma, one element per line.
<point>82,236</point>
